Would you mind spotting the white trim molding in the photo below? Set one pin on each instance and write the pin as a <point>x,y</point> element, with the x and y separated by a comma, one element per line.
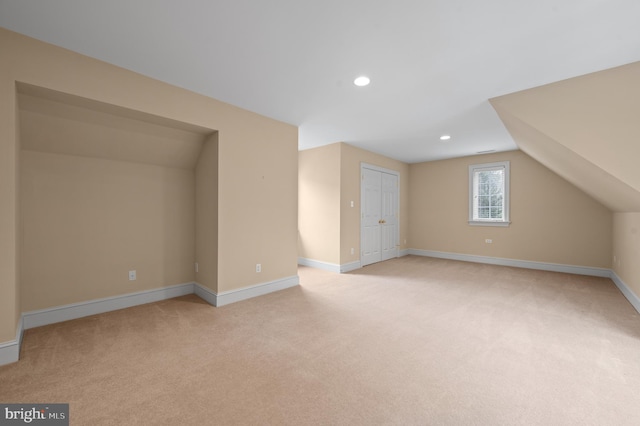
<point>402,253</point>
<point>205,293</point>
<point>626,291</point>
<point>348,267</point>
<point>318,264</point>
<point>474,169</point>
<point>232,296</point>
<point>10,351</point>
<point>331,267</point>
<point>554,267</point>
<point>97,306</point>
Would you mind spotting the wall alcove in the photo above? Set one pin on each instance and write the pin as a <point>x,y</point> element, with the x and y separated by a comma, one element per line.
<point>105,190</point>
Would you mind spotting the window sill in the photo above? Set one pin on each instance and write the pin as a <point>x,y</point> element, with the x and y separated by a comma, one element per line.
<point>488,223</point>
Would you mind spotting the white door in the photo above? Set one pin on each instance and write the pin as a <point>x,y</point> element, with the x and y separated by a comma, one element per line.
<point>379,220</point>
<point>371,201</point>
<point>389,215</point>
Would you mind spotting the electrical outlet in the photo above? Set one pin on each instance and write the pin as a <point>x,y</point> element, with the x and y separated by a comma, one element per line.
<point>352,250</point>
<point>258,267</point>
<point>196,266</point>
<point>488,241</point>
<point>132,275</point>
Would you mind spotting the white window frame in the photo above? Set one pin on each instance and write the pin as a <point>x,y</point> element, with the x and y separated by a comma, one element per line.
<point>474,168</point>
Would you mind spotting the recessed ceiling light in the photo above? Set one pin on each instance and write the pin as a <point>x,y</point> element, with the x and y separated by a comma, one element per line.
<point>362,81</point>
<point>445,137</point>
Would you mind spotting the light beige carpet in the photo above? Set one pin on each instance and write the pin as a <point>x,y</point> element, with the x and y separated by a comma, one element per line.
<point>411,341</point>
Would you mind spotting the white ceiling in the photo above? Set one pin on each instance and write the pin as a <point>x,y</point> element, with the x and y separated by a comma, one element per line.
<point>433,64</point>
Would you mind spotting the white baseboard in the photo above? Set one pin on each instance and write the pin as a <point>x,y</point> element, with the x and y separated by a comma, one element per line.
<point>326,266</point>
<point>232,296</point>
<point>10,351</point>
<point>403,253</point>
<point>206,294</point>
<point>554,267</point>
<point>348,267</point>
<point>626,291</point>
<point>331,267</point>
<point>92,307</point>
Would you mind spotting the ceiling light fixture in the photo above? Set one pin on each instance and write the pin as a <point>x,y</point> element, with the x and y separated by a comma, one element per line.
<point>445,137</point>
<point>362,81</point>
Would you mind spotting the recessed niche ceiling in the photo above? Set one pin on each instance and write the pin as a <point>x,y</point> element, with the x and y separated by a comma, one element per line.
<point>61,123</point>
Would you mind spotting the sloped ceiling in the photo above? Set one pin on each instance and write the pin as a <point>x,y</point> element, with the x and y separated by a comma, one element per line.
<point>60,123</point>
<point>586,129</point>
<point>433,64</point>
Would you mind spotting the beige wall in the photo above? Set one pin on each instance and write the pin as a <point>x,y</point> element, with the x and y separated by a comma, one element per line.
<point>319,204</point>
<point>9,202</point>
<point>592,115</point>
<point>586,130</point>
<point>626,249</point>
<point>88,221</point>
<point>19,219</point>
<point>351,159</point>
<point>257,175</point>
<point>579,232</point>
<point>329,182</point>
<point>597,182</point>
<point>207,214</point>
<point>257,204</point>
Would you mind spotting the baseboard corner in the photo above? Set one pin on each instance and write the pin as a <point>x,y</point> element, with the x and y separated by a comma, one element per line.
<point>10,351</point>
<point>626,291</point>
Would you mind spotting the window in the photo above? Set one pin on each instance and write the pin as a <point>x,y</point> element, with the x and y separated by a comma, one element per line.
<point>489,194</point>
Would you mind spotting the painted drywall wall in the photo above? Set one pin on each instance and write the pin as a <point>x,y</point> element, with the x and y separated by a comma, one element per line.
<point>9,202</point>
<point>257,217</point>
<point>626,249</point>
<point>585,129</point>
<point>319,204</point>
<point>329,182</point>
<point>552,220</point>
<point>88,221</point>
<point>63,124</point>
<point>597,182</point>
<point>207,214</point>
<point>257,204</point>
<point>351,159</point>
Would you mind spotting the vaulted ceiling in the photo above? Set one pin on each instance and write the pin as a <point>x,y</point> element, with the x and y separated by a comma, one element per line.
<point>433,64</point>
<point>586,129</point>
